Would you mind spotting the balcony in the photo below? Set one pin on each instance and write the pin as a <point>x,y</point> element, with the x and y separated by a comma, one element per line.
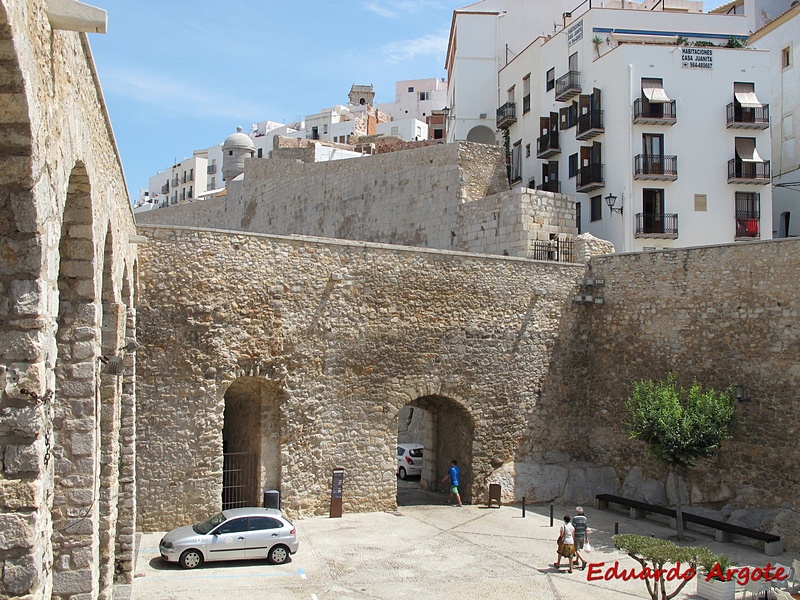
<point>655,167</point>
<point>740,171</point>
<point>740,117</point>
<point>526,104</point>
<point>568,86</point>
<point>590,125</point>
<point>590,178</point>
<point>657,226</point>
<point>654,113</point>
<point>748,226</point>
<point>165,188</point>
<point>176,182</point>
<point>550,186</point>
<point>211,169</point>
<point>548,145</point>
<point>507,115</point>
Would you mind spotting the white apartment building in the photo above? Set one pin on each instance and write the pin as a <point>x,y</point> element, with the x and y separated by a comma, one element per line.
<point>663,145</point>
<point>181,182</point>
<point>417,99</point>
<point>484,37</point>
<point>781,37</point>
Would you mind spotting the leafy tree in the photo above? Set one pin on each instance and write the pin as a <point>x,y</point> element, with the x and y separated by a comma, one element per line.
<point>655,554</point>
<point>679,425</point>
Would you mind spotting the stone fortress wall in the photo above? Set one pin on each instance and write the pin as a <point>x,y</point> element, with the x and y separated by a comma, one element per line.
<point>446,196</point>
<point>341,335</point>
<point>67,296</point>
<point>529,383</point>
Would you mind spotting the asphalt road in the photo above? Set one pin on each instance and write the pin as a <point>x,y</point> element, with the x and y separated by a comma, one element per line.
<point>423,551</point>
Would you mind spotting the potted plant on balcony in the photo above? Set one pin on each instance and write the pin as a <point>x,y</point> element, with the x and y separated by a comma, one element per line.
<point>597,41</point>
<point>711,585</point>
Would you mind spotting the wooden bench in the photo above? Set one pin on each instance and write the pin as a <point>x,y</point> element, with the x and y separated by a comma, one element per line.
<point>723,532</point>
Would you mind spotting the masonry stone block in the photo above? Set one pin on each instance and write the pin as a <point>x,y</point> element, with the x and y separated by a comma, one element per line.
<point>82,444</point>
<point>27,297</point>
<point>73,582</point>
<point>20,575</point>
<point>17,530</point>
<point>23,459</point>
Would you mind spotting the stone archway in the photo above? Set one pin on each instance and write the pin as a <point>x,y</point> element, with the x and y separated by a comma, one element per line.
<point>482,135</point>
<point>251,441</point>
<point>449,431</point>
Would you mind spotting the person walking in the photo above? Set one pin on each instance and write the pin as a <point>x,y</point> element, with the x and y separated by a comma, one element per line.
<point>453,474</point>
<point>566,543</point>
<point>581,534</point>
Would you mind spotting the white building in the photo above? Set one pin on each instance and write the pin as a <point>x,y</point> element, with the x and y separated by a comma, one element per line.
<point>484,37</point>
<point>410,129</point>
<point>181,182</point>
<point>417,99</point>
<point>781,37</point>
<point>613,108</point>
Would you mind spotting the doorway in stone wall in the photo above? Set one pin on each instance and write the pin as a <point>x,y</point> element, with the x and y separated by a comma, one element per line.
<point>250,442</point>
<point>446,430</point>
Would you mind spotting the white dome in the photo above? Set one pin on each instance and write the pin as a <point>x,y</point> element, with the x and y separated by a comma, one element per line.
<point>239,140</point>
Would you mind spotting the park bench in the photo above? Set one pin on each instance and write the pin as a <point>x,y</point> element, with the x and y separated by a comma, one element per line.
<point>723,532</point>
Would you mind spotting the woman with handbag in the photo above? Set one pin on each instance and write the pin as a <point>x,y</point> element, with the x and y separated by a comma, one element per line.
<point>566,543</point>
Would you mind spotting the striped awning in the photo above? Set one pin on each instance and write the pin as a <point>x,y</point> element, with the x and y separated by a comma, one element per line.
<point>653,91</point>
<point>745,95</point>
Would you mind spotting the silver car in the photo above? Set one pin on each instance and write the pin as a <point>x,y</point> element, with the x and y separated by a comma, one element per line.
<point>234,534</point>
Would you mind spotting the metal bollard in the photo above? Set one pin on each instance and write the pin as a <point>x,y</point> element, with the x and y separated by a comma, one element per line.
<point>551,515</point>
<point>616,527</point>
<point>523,507</point>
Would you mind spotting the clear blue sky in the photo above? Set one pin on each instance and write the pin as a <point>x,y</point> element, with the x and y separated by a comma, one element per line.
<point>178,76</point>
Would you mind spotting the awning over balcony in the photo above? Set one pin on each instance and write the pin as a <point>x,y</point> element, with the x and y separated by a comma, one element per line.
<point>746,150</point>
<point>654,93</point>
<point>746,95</point>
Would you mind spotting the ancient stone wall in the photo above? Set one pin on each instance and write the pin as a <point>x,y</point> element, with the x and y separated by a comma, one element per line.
<point>66,298</point>
<point>344,334</point>
<point>725,316</point>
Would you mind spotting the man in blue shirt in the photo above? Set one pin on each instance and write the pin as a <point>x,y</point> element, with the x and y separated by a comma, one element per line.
<point>453,475</point>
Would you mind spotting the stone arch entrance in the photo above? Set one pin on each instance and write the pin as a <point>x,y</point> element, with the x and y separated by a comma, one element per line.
<point>251,441</point>
<point>448,433</point>
<point>482,135</point>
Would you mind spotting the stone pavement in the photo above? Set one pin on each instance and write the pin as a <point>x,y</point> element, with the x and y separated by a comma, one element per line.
<point>425,551</point>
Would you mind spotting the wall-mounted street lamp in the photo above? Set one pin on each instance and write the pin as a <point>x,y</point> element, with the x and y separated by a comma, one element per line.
<point>611,200</point>
<point>741,394</point>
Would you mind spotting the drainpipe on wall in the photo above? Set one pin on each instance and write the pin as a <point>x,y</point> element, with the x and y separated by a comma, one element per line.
<point>628,215</point>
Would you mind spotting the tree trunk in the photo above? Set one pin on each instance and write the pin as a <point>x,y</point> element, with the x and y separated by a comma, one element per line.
<point>678,513</point>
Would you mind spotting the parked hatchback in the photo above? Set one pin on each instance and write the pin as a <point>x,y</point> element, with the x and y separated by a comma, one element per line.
<point>234,534</point>
<point>409,460</point>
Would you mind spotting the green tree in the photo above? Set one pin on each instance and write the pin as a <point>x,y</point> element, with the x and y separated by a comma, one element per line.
<point>679,425</point>
<point>655,554</point>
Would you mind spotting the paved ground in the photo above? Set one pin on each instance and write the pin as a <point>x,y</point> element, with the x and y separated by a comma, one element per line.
<point>423,551</point>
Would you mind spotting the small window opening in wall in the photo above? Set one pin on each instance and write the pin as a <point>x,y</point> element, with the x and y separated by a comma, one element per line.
<point>786,57</point>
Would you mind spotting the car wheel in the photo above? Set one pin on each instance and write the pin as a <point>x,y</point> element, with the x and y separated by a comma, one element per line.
<point>191,559</point>
<point>402,473</point>
<point>278,555</point>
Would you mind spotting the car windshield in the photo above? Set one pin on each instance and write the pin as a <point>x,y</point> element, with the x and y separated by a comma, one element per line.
<point>416,452</point>
<point>209,524</point>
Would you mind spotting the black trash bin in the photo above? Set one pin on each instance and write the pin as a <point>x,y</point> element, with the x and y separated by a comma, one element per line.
<point>272,499</point>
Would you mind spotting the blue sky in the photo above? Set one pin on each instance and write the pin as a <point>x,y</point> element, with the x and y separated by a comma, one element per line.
<point>178,76</point>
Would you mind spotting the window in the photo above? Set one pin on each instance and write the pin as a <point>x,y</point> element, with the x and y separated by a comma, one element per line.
<point>511,94</point>
<point>424,96</point>
<point>325,128</point>
<point>191,174</point>
<point>526,93</point>
<point>573,62</point>
<point>233,526</point>
<point>596,208</point>
<point>527,150</point>
<point>314,134</point>
<point>786,57</point>
<point>516,161</point>
<point>550,79</point>
<point>411,90</point>
<point>258,523</point>
<point>190,191</point>
<point>230,152</point>
<point>572,167</point>
<point>748,214</point>
<point>438,134</point>
<point>260,153</point>
<point>578,215</point>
